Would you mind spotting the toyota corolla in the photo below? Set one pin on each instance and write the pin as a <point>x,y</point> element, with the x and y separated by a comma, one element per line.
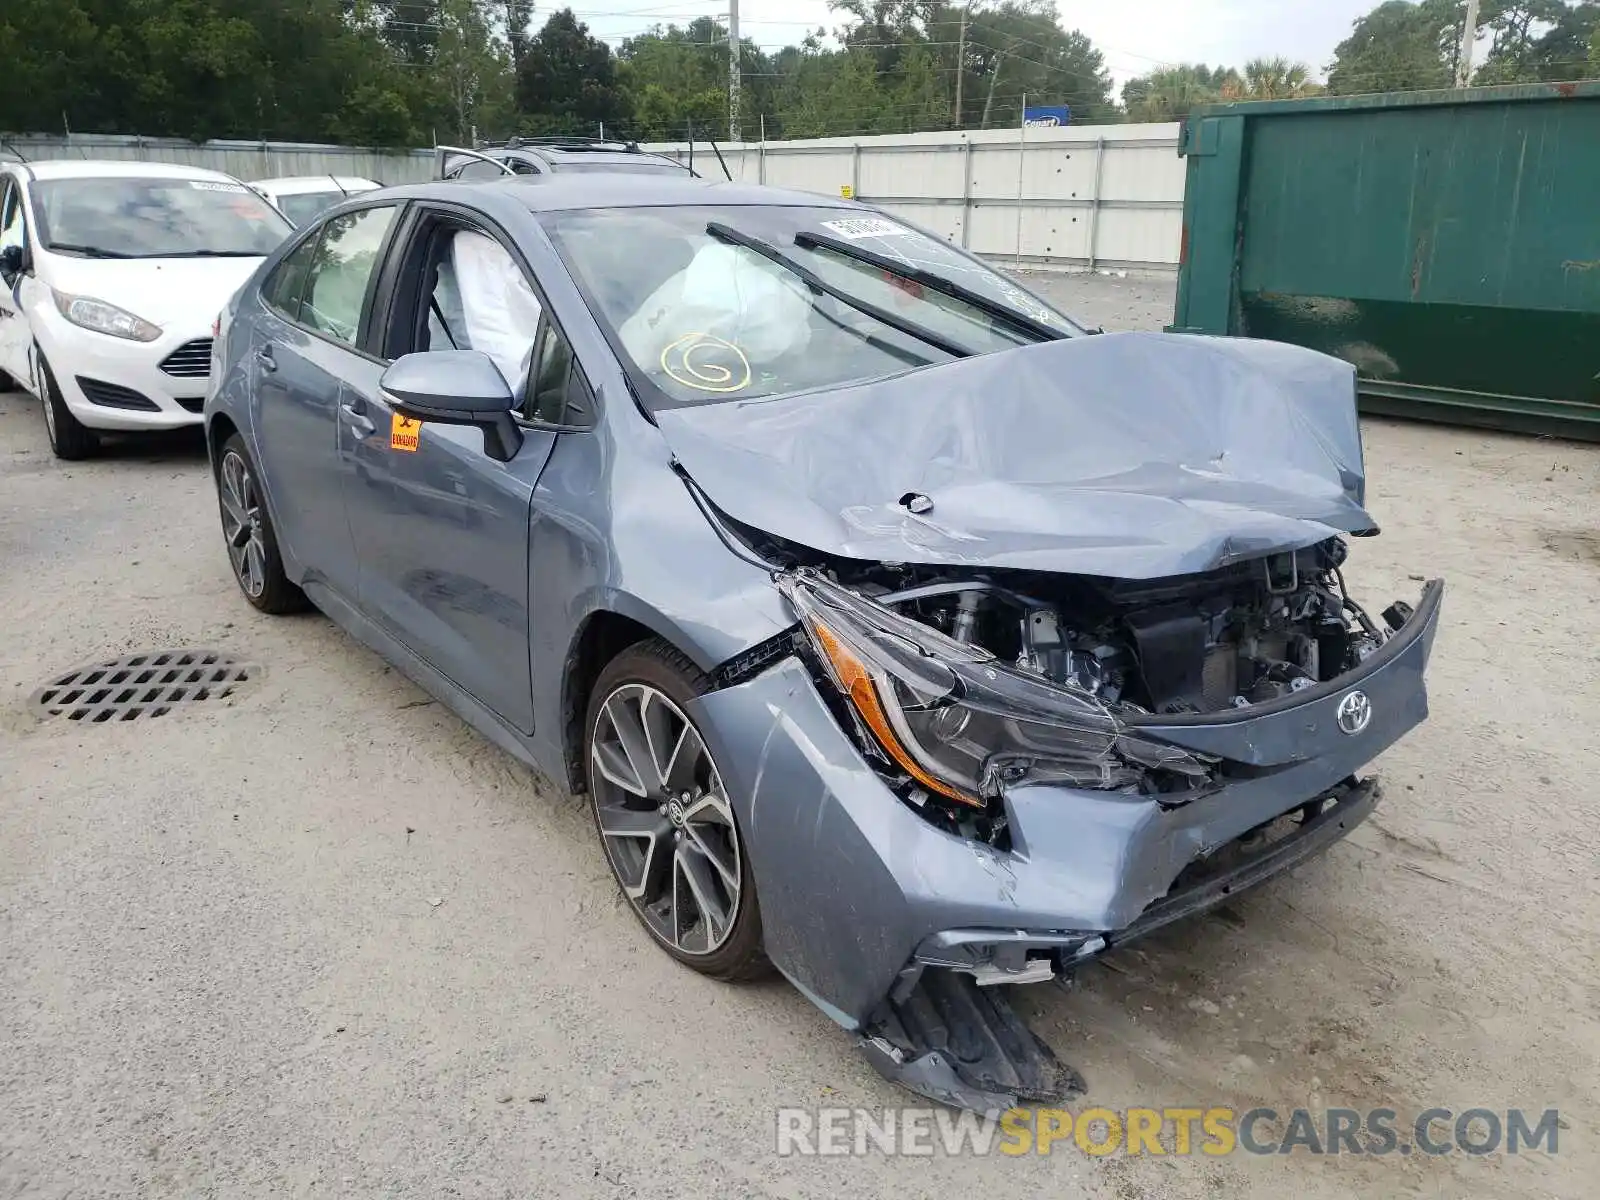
<point>905,635</point>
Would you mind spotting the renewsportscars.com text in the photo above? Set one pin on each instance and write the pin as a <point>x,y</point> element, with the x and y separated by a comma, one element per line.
<point>1180,1132</point>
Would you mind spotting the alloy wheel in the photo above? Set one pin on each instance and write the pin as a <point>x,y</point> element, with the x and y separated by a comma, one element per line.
<point>665,820</point>
<point>241,524</point>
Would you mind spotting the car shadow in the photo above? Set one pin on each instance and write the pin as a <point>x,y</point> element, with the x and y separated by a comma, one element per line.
<point>178,445</point>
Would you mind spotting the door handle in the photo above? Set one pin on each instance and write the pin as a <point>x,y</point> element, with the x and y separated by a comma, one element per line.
<point>358,420</point>
<point>264,357</point>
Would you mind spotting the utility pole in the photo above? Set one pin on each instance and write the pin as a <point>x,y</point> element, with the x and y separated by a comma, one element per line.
<point>961,63</point>
<point>733,71</point>
<point>1469,38</point>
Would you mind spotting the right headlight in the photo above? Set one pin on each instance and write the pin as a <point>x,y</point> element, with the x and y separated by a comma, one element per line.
<point>955,719</point>
<point>88,313</point>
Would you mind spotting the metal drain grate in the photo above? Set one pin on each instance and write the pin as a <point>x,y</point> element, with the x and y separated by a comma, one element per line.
<point>143,685</point>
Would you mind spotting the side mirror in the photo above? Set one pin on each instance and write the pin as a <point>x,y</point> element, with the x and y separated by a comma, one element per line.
<point>456,387</point>
<point>12,260</point>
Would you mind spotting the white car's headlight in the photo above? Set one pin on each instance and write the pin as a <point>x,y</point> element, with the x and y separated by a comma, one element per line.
<point>959,723</point>
<point>89,313</point>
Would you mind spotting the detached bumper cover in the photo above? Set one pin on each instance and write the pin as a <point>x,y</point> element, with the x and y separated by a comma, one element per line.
<point>854,885</point>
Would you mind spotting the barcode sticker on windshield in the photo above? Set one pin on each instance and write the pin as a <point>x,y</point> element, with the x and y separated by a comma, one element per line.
<point>205,185</point>
<point>866,227</point>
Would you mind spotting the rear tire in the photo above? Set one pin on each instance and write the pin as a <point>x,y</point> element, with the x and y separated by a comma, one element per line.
<point>70,438</point>
<point>671,839</point>
<point>247,532</point>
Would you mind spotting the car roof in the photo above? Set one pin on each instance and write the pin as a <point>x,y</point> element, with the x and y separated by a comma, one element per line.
<point>77,168</point>
<point>562,192</point>
<point>290,185</point>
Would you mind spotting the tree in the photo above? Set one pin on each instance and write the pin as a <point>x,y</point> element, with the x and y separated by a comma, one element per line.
<point>469,66</point>
<point>1398,46</point>
<point>674,76</point>
<point>567,82</point>
<point>1276,79</point>
<point>827,92</point>
<point>518,17</point>
<point>1518,28</point>
<point>1018,49</point>
<point>1169,94</point>
<point>1564,48</point>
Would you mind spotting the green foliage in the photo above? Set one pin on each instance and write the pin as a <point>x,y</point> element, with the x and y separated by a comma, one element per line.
<point>1398,46</point>
<point>1170,93</point>
<point>567,82</point>
<point>408,72</point>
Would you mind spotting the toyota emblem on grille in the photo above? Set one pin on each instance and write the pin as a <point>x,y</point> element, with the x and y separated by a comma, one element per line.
<point>1355,713</point>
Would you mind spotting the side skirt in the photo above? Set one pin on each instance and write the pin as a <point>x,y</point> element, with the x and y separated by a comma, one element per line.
<point>377,639</point>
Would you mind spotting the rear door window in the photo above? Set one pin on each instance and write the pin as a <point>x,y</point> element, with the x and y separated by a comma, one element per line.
<point>286,285</point>
<point>342,270</point>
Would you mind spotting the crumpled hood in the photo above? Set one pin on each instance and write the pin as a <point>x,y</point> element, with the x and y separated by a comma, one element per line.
<point>167,291</point>
<point>1132,455</point>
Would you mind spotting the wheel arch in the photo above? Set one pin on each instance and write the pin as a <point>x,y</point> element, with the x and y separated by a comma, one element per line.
<point>602,635</point>
<point>219,429</point>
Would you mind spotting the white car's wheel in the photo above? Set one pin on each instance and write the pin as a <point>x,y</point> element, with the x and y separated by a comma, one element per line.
<point>69,437</point>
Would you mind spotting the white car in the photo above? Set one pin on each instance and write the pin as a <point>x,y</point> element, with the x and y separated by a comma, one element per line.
<point>302,197</point>
<point>113,274</point>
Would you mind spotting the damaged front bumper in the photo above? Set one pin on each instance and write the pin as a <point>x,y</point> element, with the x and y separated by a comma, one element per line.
<point>859,893</point>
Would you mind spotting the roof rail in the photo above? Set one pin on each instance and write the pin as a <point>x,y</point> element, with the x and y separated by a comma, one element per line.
<point>611,145</point>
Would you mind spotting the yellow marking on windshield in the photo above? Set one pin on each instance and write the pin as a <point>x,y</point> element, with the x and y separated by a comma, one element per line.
<point>679,361</point>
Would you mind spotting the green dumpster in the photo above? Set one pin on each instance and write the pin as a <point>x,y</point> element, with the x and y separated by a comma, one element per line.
<point>1445,243</point>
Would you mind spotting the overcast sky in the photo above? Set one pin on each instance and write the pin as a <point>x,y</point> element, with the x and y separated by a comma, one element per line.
<point>1134,35</point>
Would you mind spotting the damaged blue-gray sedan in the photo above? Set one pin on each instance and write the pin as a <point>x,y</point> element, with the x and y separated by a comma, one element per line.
<point>905,635</point>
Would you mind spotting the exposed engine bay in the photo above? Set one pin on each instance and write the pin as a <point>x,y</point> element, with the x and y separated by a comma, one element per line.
<point>1231,638</point>
<point>961,682</point>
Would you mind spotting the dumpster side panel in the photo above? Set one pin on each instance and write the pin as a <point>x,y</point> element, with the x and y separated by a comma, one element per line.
<point>1450,251</point>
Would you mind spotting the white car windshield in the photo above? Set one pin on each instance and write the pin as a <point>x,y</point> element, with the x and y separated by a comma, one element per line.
<point>130,217</point>
<point>733,302</point>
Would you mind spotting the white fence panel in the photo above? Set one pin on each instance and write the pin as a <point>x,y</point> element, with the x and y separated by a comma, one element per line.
<point>242,160</point>
<point>1083,197</point>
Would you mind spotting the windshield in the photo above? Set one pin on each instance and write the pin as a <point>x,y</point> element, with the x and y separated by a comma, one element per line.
<point>706,314</point>
<point>122,217</point>
<point>303,206</point>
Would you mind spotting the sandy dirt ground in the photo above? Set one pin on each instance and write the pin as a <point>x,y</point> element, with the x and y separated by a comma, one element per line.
<point>323,940</point>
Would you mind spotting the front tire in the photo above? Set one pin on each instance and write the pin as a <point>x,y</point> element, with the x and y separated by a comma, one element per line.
<point>664,817</point>
<point>70,438</point>
<point>247,530</point>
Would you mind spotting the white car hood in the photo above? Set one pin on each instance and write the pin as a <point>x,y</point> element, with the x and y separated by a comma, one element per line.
<point>167,291</point>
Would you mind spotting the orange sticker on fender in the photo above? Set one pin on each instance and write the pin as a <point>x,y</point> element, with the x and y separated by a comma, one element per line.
<point>404,433</point>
